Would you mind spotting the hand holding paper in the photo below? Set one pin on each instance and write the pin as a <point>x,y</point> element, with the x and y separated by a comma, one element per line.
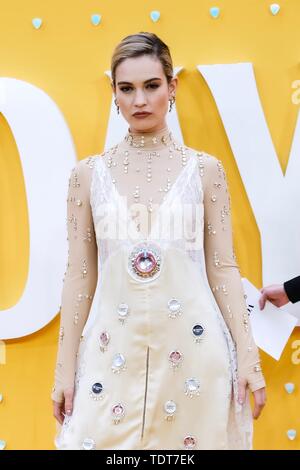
<point>271,326</point>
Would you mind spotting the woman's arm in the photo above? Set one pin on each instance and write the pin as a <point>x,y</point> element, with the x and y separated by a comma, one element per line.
<point>223,272</point>
<point>80,277</point>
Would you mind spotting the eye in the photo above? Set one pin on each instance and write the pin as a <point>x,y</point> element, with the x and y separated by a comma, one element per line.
<point>125,88</point>
<point>153,86</point>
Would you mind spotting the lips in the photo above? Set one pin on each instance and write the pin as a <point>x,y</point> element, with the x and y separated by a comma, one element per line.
<point>141,114</point>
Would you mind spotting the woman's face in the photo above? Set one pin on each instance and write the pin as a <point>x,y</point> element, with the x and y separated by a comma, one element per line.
<point>141,86</point>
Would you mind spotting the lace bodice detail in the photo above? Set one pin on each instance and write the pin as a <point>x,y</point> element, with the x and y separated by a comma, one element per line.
<point>178,219</point>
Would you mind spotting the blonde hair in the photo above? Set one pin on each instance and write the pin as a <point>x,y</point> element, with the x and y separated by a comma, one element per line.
<point>139,44</point>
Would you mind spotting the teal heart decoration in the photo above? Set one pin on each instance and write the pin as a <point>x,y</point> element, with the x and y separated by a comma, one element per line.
<point>290,387</point>
<point>291,434</point>
<point>214,12</point>
<point>37,22</point>
<point>155,15</point>
<point>2,444</point>
<point>96,19</point>
<point>274,8</point>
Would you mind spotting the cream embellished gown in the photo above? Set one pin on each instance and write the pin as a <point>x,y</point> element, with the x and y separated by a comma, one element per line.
<point>154,329</point>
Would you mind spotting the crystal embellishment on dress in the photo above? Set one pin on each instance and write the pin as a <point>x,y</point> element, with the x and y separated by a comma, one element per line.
<point>144,262</point>
<point>198,332</point>
<point>189,442</point>
<point>174,308</point>
<point>88,444</point>
<point>192,387</point>
<point>170,408</point>
<point>97,391</point>
<point>79,374</point>
<point>61,334</point>
<point>118,413</point>
<point>175,358</point>
<point>104,340</point>
<point>123,311</point>
<point>118,363</point>
<point>136,140</point>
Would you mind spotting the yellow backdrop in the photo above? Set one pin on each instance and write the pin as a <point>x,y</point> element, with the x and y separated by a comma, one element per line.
<point>67,58</point>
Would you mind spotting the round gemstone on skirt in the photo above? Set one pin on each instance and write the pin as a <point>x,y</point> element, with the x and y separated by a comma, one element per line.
<point>123,311</point>
<point>97,388</point>
<point>118,362</point>
<point>118,412</point>
<point>104,340</point>
<point>170,407</point>
<point>189,442</point>
<point>144,262</point>
<point>88,444</point>
<point>198,332</point>
<point>96,391</point>
<point>174,307</point>
<point>192,387</point>
<point>175,358</point>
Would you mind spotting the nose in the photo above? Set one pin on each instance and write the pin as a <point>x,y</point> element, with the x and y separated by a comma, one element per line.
<point>139,98</point>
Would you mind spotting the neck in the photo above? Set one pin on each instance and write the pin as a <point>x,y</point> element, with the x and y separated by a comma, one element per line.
<point>152,130</point>
<point>150,139</point>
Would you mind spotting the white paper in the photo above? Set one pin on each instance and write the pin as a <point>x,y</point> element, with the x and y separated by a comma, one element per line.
<point>271,326</point>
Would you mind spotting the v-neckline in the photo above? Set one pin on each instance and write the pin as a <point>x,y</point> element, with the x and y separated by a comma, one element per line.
<point>118,198</point>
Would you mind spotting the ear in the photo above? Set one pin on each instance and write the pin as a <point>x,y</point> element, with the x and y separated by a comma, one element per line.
<point>173,85</point>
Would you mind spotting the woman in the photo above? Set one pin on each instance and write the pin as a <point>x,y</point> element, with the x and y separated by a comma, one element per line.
<point>166,357</point>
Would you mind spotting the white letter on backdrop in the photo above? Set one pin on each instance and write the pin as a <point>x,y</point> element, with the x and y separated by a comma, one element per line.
<point>274,197</point>
<point>47,156</point>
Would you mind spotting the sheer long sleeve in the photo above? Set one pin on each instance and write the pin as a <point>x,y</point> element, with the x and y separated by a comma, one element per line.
<point>223,271</point>
<point>80,278</point>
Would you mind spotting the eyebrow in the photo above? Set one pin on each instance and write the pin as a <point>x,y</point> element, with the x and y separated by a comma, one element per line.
<point>146,81</point>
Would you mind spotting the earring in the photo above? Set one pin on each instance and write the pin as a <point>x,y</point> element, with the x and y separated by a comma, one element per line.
<point>172,101</point>
<point>118,108</point>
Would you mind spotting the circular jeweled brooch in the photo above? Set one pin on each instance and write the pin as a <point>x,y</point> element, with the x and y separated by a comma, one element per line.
<point>104,340</point>
<point>88,444</point>
<point>189,442</point>
<point>174,308</point>
<point>144,262</point>
<point>96,391</point>
<point>198,332</point>
<point>170,410</point>
<point>118,413</point>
